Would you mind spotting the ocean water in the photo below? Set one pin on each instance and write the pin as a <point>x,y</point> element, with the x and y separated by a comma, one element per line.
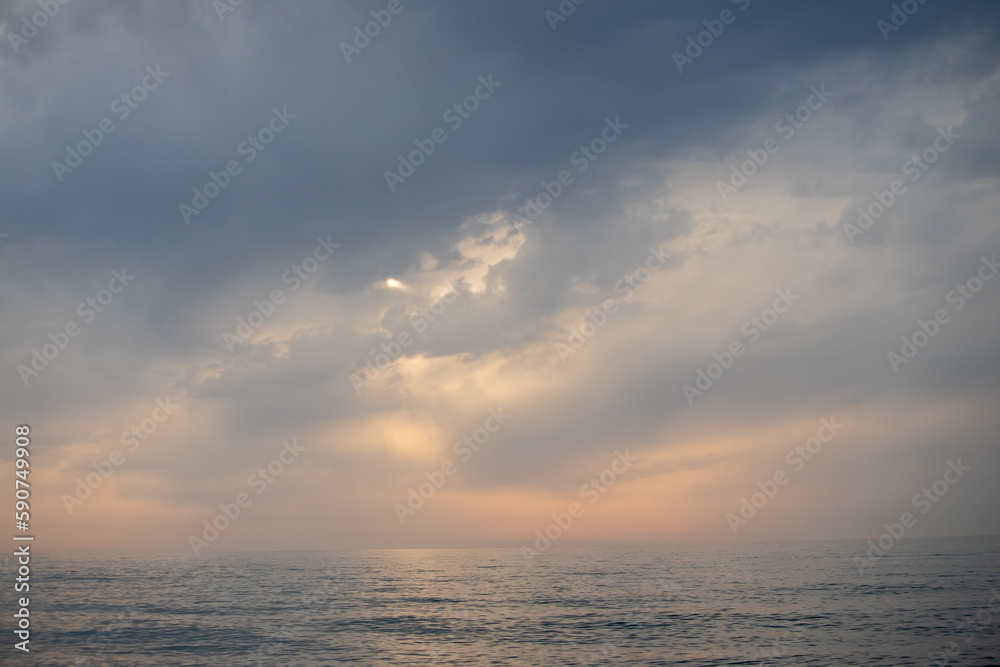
<point>752,604</point>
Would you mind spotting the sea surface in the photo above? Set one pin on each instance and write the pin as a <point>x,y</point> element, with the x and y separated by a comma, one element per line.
<point>802,603</point>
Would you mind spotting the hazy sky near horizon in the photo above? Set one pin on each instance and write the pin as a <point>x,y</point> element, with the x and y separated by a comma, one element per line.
<point>309,129</point>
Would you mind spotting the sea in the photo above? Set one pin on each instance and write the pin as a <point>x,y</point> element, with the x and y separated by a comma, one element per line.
<point>924,602</point>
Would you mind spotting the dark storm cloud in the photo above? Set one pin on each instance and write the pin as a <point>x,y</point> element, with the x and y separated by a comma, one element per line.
<point>325,174</point>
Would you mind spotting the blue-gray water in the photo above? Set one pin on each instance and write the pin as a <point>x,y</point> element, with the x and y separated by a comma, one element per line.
<point>770,604</point>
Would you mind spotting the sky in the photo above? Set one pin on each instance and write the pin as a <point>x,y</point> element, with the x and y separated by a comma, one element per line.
<point>420,274</point>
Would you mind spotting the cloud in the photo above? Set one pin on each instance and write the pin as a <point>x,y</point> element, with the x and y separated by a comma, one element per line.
<point>460,223</point>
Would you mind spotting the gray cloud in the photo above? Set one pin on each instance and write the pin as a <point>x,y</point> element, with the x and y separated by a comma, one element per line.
<point>323,176</point>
